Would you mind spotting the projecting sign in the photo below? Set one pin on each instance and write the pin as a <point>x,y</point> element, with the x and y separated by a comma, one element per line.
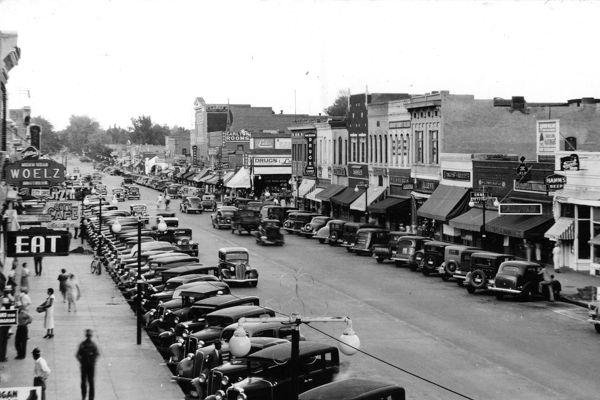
<point>570,163</point>
<point>35,173</point>
<point>195,155</point>
<point>37,241</point>
<point>555,181</point>
<point>8,318</point>
<point>520,209</point>
<point>63,211</point>
<point>310,137</point>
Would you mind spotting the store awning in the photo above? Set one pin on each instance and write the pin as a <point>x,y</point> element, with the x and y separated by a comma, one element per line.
<point>329,192</point>
<point>182,172</point>
<point>272,170</point>
<point>207,178</point>
<point>228,175</point>
<point>241,180</point>
<point>346,196</point>
<point>305,186</point>
<point>312,195</point>
<point>212,180</point>
<point>445,203</point>
<point>563,229</point>
<point>373,193</point>
<point>389,205</point>
<point>472,220</point>
<point>578,196</point>
<point>189,174</point>
<point>199,175</point>
<point>520,226</point>
<point>595,240</point>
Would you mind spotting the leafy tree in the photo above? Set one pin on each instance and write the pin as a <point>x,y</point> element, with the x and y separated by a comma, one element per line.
<point>98,150</point>
<point>77,134</point>
<point>118,135</point>
<point>145,132</point>
<point>339,108</point>
<point>51,141</point>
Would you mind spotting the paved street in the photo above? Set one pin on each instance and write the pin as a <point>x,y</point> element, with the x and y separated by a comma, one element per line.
<point>472,344</point>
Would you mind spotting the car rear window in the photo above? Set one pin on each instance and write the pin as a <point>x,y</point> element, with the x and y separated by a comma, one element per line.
<point>513,271</point>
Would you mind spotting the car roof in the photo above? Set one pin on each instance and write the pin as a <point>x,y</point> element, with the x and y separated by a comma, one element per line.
<point>238,310</point>
<point>373,230</point>
<point>233,250</point>
<point>191,267</point>
<point>255,326</point>
<point>414,237</point>
<point>184,278</point>
<point>227,208</point>
<point>489,254</point>
<point>349,389</point>
<point>521,263</point>
<point>201,287</point>
<point>282,352</point>
<point>438,243</point>
<point>462,247</point>
<point>271,220</point>
<point>224,299</point>
<point>359,224</point>
<point>336,221</point>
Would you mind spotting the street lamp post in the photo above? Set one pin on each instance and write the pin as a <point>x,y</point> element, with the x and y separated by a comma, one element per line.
<point>239,344</point>
<point>116,228</point>
<point>482,199</point>
<point>366,187</point>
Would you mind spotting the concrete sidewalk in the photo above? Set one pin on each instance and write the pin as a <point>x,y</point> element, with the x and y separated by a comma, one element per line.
<point>125,370</point>
<point>577,287</point>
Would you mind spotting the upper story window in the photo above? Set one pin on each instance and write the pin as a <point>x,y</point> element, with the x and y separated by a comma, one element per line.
<point>434,153</point>
<point>570,143</point>
<point>378,124</point>
<point>419,146</point>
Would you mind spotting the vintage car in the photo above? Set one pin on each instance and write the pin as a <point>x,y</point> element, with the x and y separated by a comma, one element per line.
<point>245,221</point>
<point>314,225</point>
<point>101,189</point>
<point>385,251</point>
<point>222,217</point>
<point>297,220</point>
<point>322,235</point>
<point>190,269</point>
<point>594,316</point>
<point>254,205</point>
<point>366,238</point>
<point>521,279</point>
<point>234,266</point>
<point>119,194</point>
<point>275,212</point>
<point>140,210</point>
<point>483,269</point>
<point>218,320</point>
<point>349,233</point>
<point>336,232</point>
<point>209,202</point>
<point>240,202</point>
<point>182,237</point>
<point>132,193</point>
<point>191,204</point>
<point>127,181</point>
<point>452,259</point>
<point>172,190</point>
<point>269,232</point>
<point>319,364</point>
<point>355,389</point>
<point>201,308</point>
<point>433,256</point>
<point>223,376</point>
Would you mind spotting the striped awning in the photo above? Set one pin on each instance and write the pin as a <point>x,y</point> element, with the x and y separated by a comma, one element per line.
<point>312,195</point>
<point>563,229</point>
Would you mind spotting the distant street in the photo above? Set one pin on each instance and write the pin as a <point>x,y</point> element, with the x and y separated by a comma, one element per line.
<point>475,345</point>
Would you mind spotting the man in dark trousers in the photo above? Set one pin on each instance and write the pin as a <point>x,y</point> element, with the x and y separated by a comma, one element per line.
<point>87,355</point>
<point>37,260</point>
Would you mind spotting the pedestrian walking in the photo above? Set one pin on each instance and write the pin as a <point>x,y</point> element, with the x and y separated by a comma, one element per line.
<point>62,283</point>
<point>41,371</point>
<point>25,276</point>
<point>87,354</point>
<point>48,308</point>
<point>22,302</point>
<point>37,262</point>
<point>547,280</point>
<point>167,201</point>
<point>73,293</point>
<point>159,201</point>
<point>556,256</point>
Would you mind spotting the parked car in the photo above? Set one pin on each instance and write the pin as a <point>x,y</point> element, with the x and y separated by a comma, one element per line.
<point>366,238</point>
<point>269,232</point>
<point>349,233</point>
<point>209,202</point>
<point>182,237</point>
<point>452,259</point>
<point>385,251</point>
<point>521,279</point>
<point>484,267</point>
<point>464,267</point>
<point>172,190</point>
<point>101,189</point>
<point>222,217</point>
<point>140,210</point>
<point>319,365</point>
<point>133,193</point>
<point>314,225</point>
<point>201,308</point>
<point>245,221</point>
<point>191,204</point>
<point>234,266</point>
<point>594,317</point>
<point>275,212</point>
<point>355,389</point>
<point>322,234</point>
<point>297,220</point>
<point>433,256</point>
<point>119,193</point>
<point>336,232</point>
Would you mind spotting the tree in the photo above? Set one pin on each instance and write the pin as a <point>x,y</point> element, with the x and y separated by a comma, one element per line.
<point>339,108</point>
<point>118,134</point>
<point>145,132</point>
<point>51,142</point>
<point>79,131</point>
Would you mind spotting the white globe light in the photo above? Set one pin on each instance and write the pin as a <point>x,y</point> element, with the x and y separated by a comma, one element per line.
<point>496,203</point>
<point>116,227</point>
<point>471,204</point>
<point>93,190</point>
<point>162,226</point>
<point>350,341</point>
<point>239,344</point>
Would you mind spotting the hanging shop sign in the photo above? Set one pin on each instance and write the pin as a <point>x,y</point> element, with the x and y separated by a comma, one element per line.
<point>339,171</point>
<point>309,169</point>
<point>21,393</point>
<point>195,155</point>
<point>28,173</point>
<point>379,171</point>
<point>570,163</point>
<point>426,185</point>
<point>456,175</point>
<point>520,209</point>
<point>555,182</point>
<point>8,318</point>
<point>63,211</point>
<point>358,171</point>
<point>37,241</point>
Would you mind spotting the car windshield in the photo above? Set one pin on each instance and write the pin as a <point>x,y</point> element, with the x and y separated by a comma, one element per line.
<point>133,190</point>
<point>194,201</point>
<point>227,213</point>
<point>236,257</point>
<point>512,271</point>
<point>271,224</point>
<point>218,320</point>
<point>172,285</point>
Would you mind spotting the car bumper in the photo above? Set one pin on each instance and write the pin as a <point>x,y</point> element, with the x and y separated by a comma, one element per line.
<point>235,280</point>
<point>504,290</point>
<point>594,321</point>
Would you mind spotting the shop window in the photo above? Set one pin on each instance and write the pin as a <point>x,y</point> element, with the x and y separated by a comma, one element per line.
<point>583,212</point>
<point>363,150</point>
<point>570,143</point>
<point>597,254</point>
<point>567,210</point>
<point>378,124</point>
<point>596,216</point>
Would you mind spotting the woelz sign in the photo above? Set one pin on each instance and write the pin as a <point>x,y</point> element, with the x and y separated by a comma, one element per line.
<point>35,173</point>
<point>37,241</point>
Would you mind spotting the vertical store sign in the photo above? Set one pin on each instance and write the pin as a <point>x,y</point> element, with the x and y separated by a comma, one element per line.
<point>195,155</point>
<point>310,137</point>
<point>547,137</point>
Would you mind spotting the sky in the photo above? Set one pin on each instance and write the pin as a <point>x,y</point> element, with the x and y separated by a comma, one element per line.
<point>117,60</point>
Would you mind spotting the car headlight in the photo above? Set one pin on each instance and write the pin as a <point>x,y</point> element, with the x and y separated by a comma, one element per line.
<point>220,395</point>
<point>179,242</point>
<point>232,269</point>
<point>263,237</point>
<point>225,381</point>
<point>241,396</point>
<point>202,378</point>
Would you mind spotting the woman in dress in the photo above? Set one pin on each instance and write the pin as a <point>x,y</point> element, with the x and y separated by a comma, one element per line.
<point>73,292</point>
<point>49,314</point>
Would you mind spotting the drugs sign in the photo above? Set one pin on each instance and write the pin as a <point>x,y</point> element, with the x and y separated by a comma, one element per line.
<point>37,241</point>
<point>35,173</point>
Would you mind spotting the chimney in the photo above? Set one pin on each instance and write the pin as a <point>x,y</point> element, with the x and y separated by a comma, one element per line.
<point>518,103</point>
<point>280,111</point>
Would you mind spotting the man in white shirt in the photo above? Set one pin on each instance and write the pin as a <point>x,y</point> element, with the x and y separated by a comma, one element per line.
<point>41,371</point>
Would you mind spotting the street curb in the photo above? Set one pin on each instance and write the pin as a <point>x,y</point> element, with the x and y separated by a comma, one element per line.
<point>574,302</point>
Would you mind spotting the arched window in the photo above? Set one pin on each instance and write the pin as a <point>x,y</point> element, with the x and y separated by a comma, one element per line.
<point>380,149</point>
<point>385,139</point>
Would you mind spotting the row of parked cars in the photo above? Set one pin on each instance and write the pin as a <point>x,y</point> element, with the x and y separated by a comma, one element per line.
<point>190,312</point>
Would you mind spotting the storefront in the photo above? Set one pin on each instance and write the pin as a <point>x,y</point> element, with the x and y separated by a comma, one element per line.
<point>240,182</point>
<point>270,174</point>
<point>341,203</point>
<point>445,203</point>
<point>325,197</point>
<point>362,203</point>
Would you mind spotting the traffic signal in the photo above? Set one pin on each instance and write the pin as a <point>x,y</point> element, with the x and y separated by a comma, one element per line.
<point>219,184</point>
<point>35,132</point>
